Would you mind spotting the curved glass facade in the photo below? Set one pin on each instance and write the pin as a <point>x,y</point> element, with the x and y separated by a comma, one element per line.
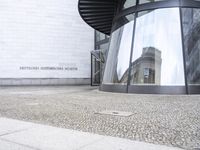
<point>155,48</point>
<point>119,54</point>
<point>191,36</point>
<point>157,54</point>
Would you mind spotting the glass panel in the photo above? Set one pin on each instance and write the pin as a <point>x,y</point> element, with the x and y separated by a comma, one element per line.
<point>129,3</point>
<point>116,71</point>
<point>157,56</point>
<point>122,21</point>
<point>191,32</point>
<point>148,1</point>
<point>104,53</point>
<point>95,71</point>
<point>99,36</point>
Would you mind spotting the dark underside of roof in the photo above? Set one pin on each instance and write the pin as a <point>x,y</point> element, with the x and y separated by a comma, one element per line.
<point>98,14</point>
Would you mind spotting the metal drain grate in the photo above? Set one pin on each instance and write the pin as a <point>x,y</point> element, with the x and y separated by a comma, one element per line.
<point>32,104</point>
<point>115,113</point>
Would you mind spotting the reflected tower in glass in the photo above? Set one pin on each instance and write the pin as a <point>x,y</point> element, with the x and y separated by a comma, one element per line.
<point>154,47</point>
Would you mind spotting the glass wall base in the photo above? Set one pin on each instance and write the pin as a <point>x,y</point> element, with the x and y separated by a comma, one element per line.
<point>194,89</point>
<point>175,90</point>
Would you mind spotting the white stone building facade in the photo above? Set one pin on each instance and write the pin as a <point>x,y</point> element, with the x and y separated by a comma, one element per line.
<point>44,42</point>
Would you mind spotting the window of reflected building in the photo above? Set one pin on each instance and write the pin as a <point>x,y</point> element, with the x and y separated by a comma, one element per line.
<point>191,33</point>
<point>148,1</point>
<point>157,55</point>
<point>117,65</point>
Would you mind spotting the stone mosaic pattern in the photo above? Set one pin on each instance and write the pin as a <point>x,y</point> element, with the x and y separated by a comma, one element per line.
<point>159,119</point>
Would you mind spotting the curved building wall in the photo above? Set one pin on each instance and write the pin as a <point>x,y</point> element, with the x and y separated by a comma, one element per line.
<point>154,48</point>
<point>44,42</point>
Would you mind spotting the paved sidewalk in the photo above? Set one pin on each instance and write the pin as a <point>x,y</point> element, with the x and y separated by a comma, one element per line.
<point>170,120</point>
<point>19,135</point>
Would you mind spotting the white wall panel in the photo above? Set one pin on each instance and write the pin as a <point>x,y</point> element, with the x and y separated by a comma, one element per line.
<point>35,34</point>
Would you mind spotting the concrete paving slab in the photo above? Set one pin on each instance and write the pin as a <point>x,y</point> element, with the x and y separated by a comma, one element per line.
<point>44,137</point>
<point>8,126</point>
<point>49,138</point>
<point>111,143</point>
<point>4,145</point>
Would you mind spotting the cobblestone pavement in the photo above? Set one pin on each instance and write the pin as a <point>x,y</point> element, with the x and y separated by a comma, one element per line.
<point>159,119</point>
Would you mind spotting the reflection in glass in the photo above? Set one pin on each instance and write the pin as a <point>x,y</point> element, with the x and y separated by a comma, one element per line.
<point>147,68</point>
<point>191,33</point>
<point>157,55</point>
<point>128,3</point>
<point>99,36</point>
<point>119,55</point>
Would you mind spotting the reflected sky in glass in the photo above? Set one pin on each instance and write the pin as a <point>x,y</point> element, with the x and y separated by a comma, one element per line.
<point>124,50</point>
<point>161,29</point>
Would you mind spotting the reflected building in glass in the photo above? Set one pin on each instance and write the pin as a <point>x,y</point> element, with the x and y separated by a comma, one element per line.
<point>154,44</point>
<point>147,68</point>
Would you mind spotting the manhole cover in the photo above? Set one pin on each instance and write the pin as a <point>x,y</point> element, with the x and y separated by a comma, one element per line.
<point>32,104</point>
<point>115,113</point>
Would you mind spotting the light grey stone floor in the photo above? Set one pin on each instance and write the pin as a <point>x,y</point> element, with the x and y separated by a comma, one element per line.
<point>159,119</point>
<point>20,135</point>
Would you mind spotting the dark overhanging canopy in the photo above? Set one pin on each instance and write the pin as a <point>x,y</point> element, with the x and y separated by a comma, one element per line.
<point>98,14</point>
